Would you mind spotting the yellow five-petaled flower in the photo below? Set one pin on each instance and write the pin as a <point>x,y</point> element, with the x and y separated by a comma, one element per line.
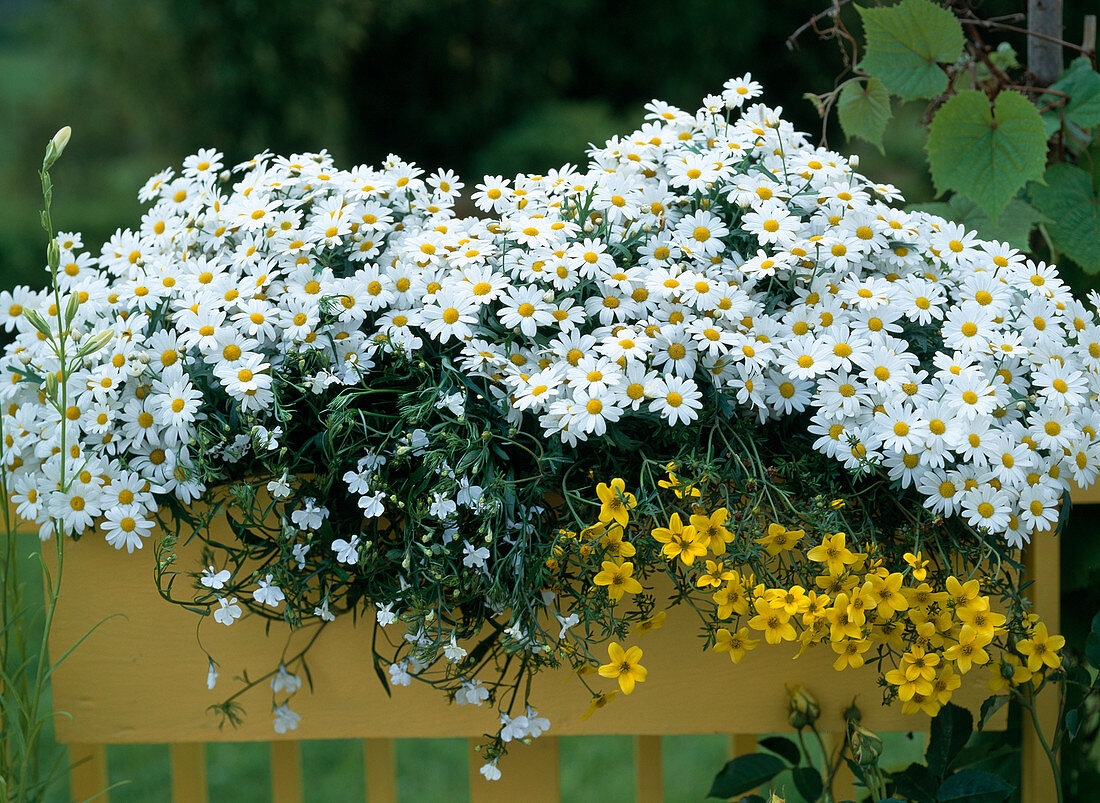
<point>619,579</point>
<point>616,502</point>
<point>624,666</point>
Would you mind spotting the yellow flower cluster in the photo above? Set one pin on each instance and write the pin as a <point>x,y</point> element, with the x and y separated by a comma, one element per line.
<point>932,630</point>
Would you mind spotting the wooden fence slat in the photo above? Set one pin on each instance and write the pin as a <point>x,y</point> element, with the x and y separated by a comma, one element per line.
<point>742,744</point>
<point>529,772</point>
<point>844,782</point>
<point>650,771</point>
<point>188,762</point>
<point>1042,560</point>
<point>188,772</point>
<point>89,778</point>
<point>286,772</point>
<point>380,768</point>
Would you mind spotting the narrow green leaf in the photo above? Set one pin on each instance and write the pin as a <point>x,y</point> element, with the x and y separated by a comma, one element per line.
<point>906,44</point>
<point>745,773</point>
<point>974,786</point>
<point>1069,202</point>
<point>863,109</point>
<point>783,747</point>
<point>951,729</point>
<point>986,153</point>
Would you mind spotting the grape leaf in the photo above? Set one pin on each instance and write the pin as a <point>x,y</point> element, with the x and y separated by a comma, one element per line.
<point>907,42</point>
<point>1081,83</point>
<point>863,110</point>
<point>986,153</point>
<point>1073,209</point>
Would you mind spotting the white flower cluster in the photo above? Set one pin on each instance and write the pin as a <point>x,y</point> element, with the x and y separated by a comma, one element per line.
<point>714,253</point>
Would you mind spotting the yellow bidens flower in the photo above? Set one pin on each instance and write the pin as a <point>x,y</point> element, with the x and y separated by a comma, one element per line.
<point>711,530</point>
<point>679,541</point>
<point>736,644</point>
<point>598,702</point>
<point>619,579</point>
<point>616,502</point>
<point>1041,649</point>
<point>833,553</point>
<point>624,666</point>
<point>780,539</point>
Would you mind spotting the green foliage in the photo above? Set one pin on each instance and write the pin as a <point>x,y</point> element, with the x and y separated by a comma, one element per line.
<point>950,731</point>
<point>1081,86</point>
<point>946,774</point>
<point>974,786</point>
<point>907,43</point>
<point>863,109</point>
<point>1069,201</point>
<point>986,153</point>
<point>745,773</point>
<point>1014,226</point>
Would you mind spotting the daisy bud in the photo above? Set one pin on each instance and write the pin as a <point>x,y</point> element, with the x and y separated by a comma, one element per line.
<point>224,175</point>
<point>37,321</point>
<point>853,160</point>
<point>56,147</point>
<point>71,307</point>
<point>53,255</point>
<point>51,385</point>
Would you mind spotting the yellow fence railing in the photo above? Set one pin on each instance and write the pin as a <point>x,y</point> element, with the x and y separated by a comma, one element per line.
<point>140,678</point>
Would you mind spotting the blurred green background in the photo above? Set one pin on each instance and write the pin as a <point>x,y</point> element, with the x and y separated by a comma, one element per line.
<point>479,86</point>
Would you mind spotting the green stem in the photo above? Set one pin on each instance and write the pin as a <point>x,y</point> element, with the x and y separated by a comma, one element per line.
<point>1029,703</point>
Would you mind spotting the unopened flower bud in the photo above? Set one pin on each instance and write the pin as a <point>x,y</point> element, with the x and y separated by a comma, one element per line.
<point>866,746</point>
<point>56,147</point>
<point>802,708</point>
<point>53,255</point>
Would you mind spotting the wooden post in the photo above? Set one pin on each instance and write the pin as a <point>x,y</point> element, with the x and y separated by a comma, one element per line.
<point>1042,561</point>
<point>1044,57</point>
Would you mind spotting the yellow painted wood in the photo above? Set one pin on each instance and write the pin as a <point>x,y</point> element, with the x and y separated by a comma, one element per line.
<point>380,767</point>
<point>114,684</point>
<point>844,782</point>
<point>742,744</point>
<point>1043,565</point>
<point>649,773</point>
<point>529,772</point>
<point>286,772</point>
<point>188,762</point>
<point>88,776</point>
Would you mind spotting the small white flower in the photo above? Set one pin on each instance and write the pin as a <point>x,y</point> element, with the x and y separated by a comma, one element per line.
<point>228,611</point>
<point>285,681</point>
<point>268,594</point>
<point>211,578</point>
<point>280,488</point>
<point>441,507</point>
<point>385,614</point>
<point>399,674</point>
<point>474,557</point>
<point>211,675</point>
<point>285,719</point>
<point>347,551</point>
<point>490,771</point>
<point>453,652</point>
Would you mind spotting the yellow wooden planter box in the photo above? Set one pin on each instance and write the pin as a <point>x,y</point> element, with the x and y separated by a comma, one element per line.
<point>141,678</point>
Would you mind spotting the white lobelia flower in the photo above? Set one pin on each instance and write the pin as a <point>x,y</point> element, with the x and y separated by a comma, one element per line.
<point>268,594</point>
<point>285,719</point>
<point>228,611</point>
<point>285,681</point>
<point>211,675</point>
<point>211,578</point>
<point>347,551</point>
